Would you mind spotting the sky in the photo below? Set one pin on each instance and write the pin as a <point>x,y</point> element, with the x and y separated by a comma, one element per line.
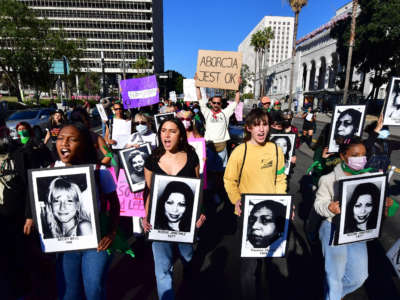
<point>190,25</point>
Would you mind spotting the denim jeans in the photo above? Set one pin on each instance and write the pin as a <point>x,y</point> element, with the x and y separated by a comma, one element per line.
<point>163,253</point>
<point>346,266</point>
<point>87,268</point>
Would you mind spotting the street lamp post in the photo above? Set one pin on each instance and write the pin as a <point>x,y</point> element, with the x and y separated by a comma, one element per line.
<point>104,94</point>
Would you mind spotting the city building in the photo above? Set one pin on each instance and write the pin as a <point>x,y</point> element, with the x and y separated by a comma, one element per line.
<point>316,67</point>
<point>279,50</point>
<point>121,30</point>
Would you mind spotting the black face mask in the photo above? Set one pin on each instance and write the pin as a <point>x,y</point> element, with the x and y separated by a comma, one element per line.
<point>273,130</point>
<point>287,123</point>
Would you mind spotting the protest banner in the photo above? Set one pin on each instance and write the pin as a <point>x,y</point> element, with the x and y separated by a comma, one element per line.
<point>131,204</point>
<point>102,112</point>
<point>189,90</point>
<point>138,92</point>
<point>219,69</point>
<point>121,133</point>
<point>238,111</point>
<point>172,96</point>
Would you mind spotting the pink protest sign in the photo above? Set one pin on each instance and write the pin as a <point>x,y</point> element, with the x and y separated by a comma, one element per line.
<point>132,204</point>
<point>199,145</point>
<point>238,111</point>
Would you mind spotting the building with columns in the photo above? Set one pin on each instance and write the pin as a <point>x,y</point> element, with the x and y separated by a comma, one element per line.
<point>316,67</point>
<point>280,48</point>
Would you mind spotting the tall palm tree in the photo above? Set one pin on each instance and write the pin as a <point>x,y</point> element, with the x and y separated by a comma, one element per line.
<point>296,6</point>
<point>261,41</point>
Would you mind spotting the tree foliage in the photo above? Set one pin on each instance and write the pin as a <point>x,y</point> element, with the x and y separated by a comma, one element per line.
<point>175,81</point>
<point>89,83</point>
<point>297,5</point>
<point>260,41</point>
<point>247,77</point>
<point>141,65</point>
<point>377,46</point>
<point>28,45</point>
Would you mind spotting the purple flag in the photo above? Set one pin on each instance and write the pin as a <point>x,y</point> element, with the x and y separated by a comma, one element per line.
<point>138,92</point>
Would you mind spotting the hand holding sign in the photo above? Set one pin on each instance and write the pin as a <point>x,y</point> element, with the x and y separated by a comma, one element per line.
<point>218,69</point>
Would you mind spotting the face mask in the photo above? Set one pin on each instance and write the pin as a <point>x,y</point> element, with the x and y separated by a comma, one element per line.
<point>196,110</point>
<point>186,124</point>
<point>287,123</point>
<point>142,129</point>
<point>24,135</point>
<point>383,134</point>
<point>357,163</point>
<point>273,130</point>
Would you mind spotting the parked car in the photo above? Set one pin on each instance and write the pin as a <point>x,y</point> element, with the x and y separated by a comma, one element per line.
<point>37,118</point>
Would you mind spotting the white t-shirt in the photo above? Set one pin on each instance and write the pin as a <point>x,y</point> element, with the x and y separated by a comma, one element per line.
<point>137,138</point>
<point>217,128</point>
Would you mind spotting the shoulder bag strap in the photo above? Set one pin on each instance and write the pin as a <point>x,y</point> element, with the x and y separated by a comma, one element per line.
<point>276,168</point>
<point>244,159</point>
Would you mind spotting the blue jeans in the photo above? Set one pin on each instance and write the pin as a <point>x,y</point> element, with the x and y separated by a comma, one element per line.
<point>87,268</point>
<point>163,253</point>
<point>346,266</point>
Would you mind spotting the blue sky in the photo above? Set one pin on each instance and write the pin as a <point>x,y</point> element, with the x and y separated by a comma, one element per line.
<point>190,25</point>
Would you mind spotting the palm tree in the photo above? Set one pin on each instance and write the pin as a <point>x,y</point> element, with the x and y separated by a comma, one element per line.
<point>296,6</point>
<point>261,41</point>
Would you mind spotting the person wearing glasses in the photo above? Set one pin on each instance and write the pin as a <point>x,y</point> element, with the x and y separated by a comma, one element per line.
<point>143,132</point>
<point>266,103</point>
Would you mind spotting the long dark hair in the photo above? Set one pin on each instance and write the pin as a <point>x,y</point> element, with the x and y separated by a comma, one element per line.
<point>355,120</point>
<point>180,187</point>
<point>362,189</point>
<point>89,151</point>
<point>183,144</point>
<point>288,144</point>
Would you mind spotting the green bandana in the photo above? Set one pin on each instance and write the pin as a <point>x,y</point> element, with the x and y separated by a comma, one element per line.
<point>110,154</point>
<point>346,168</point>
<point>392,209</point>
<point>317,165</point>
<point>24,135</point>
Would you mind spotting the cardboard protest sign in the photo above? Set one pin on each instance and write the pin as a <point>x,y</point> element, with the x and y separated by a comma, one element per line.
<point>138,92</point>
<point>102,112</point>
<point>189,90</point>
<point>131,204</point>
<point>219,69</point>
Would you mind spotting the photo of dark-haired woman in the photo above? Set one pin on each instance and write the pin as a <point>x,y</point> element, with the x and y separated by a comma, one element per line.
<point>362,209</point>
<point>392,108</point>
<point>174,207</point>
<point>347,122</point>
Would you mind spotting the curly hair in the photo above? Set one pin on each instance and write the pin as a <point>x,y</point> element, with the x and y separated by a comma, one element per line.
<point>61,184</point>
<point>186,221</point>
<point>362,189</point>
<point>135,153</point>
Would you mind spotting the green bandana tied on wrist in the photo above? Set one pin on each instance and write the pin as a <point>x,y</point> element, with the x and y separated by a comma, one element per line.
<point>24,136</point>
<point>109,154</point>
<point>346,168</point>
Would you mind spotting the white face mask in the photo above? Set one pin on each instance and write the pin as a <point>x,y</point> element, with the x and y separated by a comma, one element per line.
<point>186,124</point>
<point>142,129</point>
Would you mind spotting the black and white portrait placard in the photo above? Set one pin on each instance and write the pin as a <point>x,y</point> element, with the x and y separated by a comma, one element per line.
<point>65,208</point>
<point>161,117</point>
<point>362,200</point>
<point>174,208</point>
<point>392,106</point>
<point>265,224</point>
<point>287,143</point>
<point>133,160</point>
<point>347,121</point>
<point>394,256</point>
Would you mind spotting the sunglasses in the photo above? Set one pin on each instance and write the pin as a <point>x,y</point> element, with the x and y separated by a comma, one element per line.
<point>140,123</point>
<point>185,119</point>
<point>216,103</point>
<point>117,108</point>
<point>269,103</point>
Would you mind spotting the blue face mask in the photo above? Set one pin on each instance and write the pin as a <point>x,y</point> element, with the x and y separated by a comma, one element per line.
<point>196,110</point>
<point>142,129</point>
<point>383,134</point>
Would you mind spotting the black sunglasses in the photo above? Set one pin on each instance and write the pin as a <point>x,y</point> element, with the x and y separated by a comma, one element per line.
<point>118,109</point>
<point>140,123</point>
<point>216,103</point>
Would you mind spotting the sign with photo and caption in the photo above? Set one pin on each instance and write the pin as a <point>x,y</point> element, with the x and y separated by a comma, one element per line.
<point>219,69</point>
